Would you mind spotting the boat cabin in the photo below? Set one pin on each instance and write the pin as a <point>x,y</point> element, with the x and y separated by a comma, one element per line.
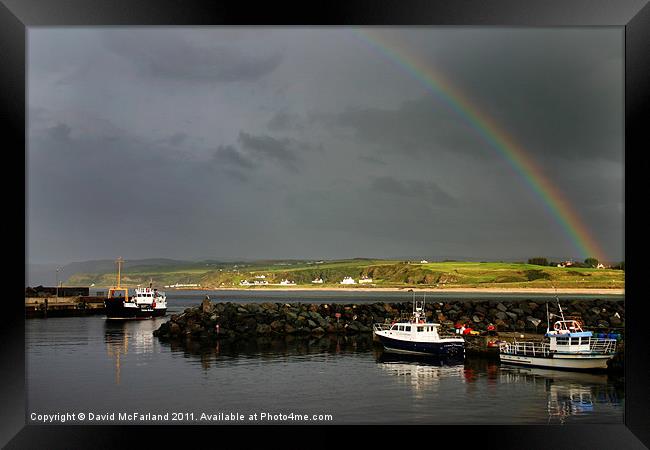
<point>568,336</point>
<point>417,331</point>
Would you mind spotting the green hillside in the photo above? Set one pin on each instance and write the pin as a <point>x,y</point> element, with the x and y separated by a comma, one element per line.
<point>385,273</point>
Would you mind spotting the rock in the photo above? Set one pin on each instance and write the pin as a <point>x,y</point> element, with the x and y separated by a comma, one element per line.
<point>615,321</point>
<point>480,309</point>
<point>476,319</point>
<point>277,325</point>
<point>289,329</point>
<point>512,315</point>
<point>501,307</point>
<point>263,329</point>
<point>318,331</point>
<point>535,322</point>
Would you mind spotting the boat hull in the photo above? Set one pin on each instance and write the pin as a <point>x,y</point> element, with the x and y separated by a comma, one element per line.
<point>569,362</point>
<point>441,349</point>
<point>117,310</point>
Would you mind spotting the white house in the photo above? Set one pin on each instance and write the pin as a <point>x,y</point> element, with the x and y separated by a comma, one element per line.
<point>244,283</point>
<point>348,280</point>
<point>365,280</point>
<point>261,277</point>
<point>287,283</point>
<point>317,281</point>
<point>424,261</point>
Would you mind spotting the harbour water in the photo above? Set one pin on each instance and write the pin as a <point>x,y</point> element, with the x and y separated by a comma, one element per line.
<point>96,367</point>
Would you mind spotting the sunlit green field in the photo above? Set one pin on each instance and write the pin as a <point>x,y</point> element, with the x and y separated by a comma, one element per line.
<point>384,273</point>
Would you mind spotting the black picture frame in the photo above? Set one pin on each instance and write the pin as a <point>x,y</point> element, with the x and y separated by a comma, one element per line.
<point>634,15</point>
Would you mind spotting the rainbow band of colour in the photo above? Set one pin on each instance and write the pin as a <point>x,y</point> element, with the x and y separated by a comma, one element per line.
<point>552,198</point>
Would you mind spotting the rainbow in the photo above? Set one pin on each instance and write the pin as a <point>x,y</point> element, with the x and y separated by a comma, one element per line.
<point>505,146</point>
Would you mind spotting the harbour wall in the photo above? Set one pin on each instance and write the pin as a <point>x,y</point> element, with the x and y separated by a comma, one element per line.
<point>51,306</point>
<point>226,320</point>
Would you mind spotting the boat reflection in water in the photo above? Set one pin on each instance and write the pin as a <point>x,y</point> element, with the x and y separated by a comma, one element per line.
<point>422,372</point>
<point>122,337</point>
<point>570,394</point>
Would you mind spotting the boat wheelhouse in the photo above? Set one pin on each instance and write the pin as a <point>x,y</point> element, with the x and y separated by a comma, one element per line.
<point>416,336</point>
<point>146,303</point>
<point>566,346</point>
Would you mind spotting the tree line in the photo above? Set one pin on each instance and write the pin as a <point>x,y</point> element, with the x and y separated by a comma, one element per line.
<point>587,263</point>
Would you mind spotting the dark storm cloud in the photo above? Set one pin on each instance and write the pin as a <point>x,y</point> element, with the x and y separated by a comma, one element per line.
<point>548,92</point>
<point>230,156</point>
<point>418,126</point>
<point>177,139</point>
<point>283,121</point>
<point>60,132</point>
<point>272,142</point>
<point>428,192</point>
<point>372,159</point>
<point>170,55</point>
<point>282,151</point>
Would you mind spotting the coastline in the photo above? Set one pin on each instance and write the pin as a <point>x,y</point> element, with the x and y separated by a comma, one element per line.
<point>467,290</point>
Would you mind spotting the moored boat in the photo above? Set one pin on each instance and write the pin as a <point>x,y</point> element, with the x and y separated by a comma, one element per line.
<point>415,336</point>
<point>145,304</point>
<point>566,346</point>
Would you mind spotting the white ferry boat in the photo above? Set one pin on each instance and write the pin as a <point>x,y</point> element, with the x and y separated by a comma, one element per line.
<point>566,346</point>
<point>145,304</point>
<point>415,336</point>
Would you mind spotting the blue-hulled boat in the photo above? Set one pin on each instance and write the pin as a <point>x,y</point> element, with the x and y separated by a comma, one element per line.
<point>416,336</point>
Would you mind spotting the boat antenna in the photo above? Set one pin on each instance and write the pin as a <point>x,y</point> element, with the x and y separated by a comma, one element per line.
<point>548,319</point>
<point>558,303</point>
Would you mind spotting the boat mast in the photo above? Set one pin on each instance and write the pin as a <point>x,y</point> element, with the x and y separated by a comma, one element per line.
<point>119,270</point>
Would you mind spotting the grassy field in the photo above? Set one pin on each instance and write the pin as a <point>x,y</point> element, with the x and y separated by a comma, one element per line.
<point>385,273</point>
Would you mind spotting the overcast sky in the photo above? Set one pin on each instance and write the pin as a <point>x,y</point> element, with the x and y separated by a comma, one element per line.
<point>309,143</point>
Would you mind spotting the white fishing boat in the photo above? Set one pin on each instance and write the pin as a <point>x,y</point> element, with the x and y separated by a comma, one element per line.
<point>566,346</point>
<point>415,336</point>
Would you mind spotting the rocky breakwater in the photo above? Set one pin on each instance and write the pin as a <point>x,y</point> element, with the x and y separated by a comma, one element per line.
<point>226,320</point>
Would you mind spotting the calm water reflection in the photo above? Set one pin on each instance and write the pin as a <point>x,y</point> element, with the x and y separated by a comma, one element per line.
<point>90,364</point>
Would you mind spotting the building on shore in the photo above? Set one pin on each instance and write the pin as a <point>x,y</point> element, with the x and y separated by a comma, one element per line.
<point>365,280</point>
<point>182,285</point>
<point>287,283</point>
<point>348,280</point>
<point>317,281</point>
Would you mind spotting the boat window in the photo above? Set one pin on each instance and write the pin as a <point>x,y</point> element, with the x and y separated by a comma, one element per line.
<point>407,328</point>
<point>420,328</point>
<point>575,340</point>
<point>562,341</point>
